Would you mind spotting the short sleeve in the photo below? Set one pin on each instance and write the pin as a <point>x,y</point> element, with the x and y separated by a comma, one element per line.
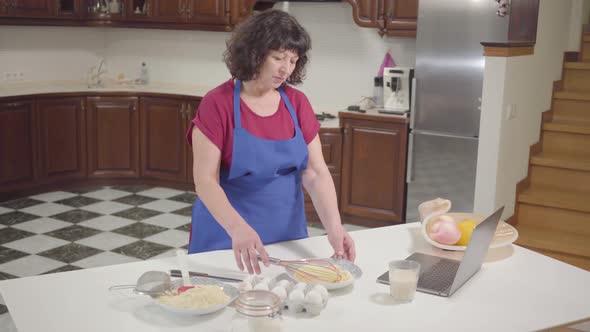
<point>209,120</point>
<point>310,126</point>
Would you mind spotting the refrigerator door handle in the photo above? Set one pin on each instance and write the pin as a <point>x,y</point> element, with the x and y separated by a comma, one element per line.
<point>413,103</point>
<point>409,169</point>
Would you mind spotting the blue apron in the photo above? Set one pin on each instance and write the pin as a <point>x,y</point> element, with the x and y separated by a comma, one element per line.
<point>263,184</point>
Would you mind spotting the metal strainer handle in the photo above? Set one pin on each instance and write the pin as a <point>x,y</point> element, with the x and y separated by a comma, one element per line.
<point>149,283</point>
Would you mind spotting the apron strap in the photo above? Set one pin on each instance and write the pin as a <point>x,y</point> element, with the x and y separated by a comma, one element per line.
<point>237,116</point>
<point>289,107</point>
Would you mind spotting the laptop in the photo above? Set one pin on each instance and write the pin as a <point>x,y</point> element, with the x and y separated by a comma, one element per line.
<point>442,276</point>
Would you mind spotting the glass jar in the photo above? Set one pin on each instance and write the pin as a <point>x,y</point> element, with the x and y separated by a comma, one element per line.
<point>257,311</point>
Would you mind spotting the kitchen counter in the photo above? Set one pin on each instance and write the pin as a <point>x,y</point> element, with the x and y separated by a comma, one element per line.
<point>51,87</point>
<point>373,114</point>
<point>516,290</point>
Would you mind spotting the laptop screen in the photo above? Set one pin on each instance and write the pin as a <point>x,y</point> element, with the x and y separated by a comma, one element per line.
<point>476,249</point>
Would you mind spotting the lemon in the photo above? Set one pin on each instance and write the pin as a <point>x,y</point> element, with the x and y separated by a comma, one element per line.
<point>466,228</point>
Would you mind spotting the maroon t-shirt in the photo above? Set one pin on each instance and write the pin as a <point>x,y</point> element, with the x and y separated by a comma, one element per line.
<point>215,119</point>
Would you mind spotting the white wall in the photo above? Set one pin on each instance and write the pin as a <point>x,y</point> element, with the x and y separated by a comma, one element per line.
<point>524,82</point>
<point>580,14</point>
<point>49,53</point>
<point>344,57</point>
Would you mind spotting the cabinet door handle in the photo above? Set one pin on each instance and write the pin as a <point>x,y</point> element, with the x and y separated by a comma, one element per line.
<point>188,111</point>
<point>181,7</point>
<point>190,8</point>
<point>14,105</point>
<point>182,111</point>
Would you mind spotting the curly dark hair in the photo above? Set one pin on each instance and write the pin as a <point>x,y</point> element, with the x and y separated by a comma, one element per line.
<point>269,30</point>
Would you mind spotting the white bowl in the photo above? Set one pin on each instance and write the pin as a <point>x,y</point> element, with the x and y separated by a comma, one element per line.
<point>505,233</point>
<point>229,290</point>
<point>354,270</point>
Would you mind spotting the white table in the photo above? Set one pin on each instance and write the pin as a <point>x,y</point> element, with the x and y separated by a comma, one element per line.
<point>516,290</point>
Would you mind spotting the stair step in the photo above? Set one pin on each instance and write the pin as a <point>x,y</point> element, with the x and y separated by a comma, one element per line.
<point>571,110</point>
<point>555,198</point>
<point>576,76</point>
<point>572,95</point>
<point>577,65</point>
<point>566,143</point>
<point>581,262</point>
<point>574,127</point>
<point>555,219</point>
<point>562,160</point>
<point>561,179</point>
<point>559,242</point>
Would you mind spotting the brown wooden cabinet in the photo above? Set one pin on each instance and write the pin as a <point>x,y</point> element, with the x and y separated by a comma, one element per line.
<point>68,9</point>
<point>207,11</point>
<point>113,137</point>
<point>401,17</point>
<point>240,10</point>
<point>62,138</point>
<point>213,15</point>
<point>391,17</point>
<point>331,139</point>
<point>163,125</point>
<point>373,168</point>
<point>28,8</point>
<point>367,13</point>
<point>17,148</point>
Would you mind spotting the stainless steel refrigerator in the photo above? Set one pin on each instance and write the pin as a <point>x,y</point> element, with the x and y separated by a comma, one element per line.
<point>447,90</point>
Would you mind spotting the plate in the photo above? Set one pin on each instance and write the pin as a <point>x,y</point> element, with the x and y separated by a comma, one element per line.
<point>505,233</point>
<point>345,265</point>
<point>229,290</point>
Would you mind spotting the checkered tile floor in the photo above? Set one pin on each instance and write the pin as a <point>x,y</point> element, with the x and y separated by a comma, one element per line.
<point>70,230</point>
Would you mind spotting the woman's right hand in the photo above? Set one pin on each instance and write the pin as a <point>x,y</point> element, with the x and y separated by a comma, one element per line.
<point>247,248</point>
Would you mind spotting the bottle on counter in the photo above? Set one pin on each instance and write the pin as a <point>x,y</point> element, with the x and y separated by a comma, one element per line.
<point>115,7</point>
<point>378,92</point>
<point>144,74</point>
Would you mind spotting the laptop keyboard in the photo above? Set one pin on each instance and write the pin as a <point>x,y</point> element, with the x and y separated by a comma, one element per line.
<point>440,276</point>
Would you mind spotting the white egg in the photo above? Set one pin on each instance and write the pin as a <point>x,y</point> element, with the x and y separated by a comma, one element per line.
<point>261,286</point>
<point>296,295</point>
<point>301,286</point>
<point>285,284</point>
<point>269,282</point>
<point>295,302</point>
<point>323,292</point>
<point>281,292</point>
<point>245,286</point>
<point>313,297</point>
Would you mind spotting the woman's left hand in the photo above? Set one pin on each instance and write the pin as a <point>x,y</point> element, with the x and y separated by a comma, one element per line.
<point>342,243</point>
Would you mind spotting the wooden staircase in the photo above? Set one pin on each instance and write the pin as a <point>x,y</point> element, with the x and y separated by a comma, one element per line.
<point>553,202</point>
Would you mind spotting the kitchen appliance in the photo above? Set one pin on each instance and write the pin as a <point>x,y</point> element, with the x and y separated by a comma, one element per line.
<point>397,89</point>
<point>447,89</point>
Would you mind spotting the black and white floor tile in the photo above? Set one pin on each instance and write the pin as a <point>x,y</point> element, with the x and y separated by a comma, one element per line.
<point>77,229</point>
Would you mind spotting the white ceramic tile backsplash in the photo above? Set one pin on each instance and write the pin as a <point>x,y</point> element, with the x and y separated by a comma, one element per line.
<point>344,57</point>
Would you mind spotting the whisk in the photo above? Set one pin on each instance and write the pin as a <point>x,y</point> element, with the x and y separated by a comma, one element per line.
<point>310,270</point>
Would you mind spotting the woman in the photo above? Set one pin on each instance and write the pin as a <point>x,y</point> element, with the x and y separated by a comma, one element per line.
<point>255,143</point>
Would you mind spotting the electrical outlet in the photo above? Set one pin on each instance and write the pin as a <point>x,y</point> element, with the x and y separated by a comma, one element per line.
<point>11,76</point>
